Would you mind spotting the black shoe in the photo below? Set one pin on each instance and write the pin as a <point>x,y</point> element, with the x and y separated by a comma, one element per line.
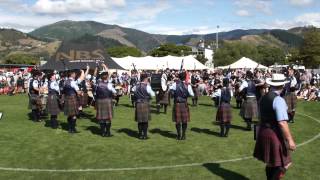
<point>145,137</point>
<point>178,137</point>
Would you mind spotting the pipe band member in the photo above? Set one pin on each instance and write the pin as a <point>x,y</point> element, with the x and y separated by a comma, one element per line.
<point>53,104</point>
<point>274,140</point>
<point>163,95</point>
<point>71,106</point>
<point>104,92</point>
<point>34,95</point>
<point>143,94</point>
<point>249,109</point>
<point>224,113</point>
<point>181,90</point>
<point>290,95</point>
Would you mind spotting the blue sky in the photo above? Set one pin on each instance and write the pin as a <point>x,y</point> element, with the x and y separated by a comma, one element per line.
<point>164,16</point>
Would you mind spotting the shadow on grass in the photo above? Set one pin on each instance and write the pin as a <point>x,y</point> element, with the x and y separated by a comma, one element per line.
<point>94,130</point>
<point>167,134</point>
<point>233,126</point>
<point>225,174</point>
<point>127,105</point>
<point>64,126</point>
<point>208,105</point>
<point>129,132</point>
<point>206,131</point>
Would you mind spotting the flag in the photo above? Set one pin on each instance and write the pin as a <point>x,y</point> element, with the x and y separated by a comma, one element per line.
<point>182,62</point>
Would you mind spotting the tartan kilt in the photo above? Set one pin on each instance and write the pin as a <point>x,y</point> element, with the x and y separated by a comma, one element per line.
<point>270,149</point>
<point>34,102</point>
<point>104,109</point>
<point>291,100</point>
<point>181,113</point>
<point>163,97</point>
<point>142,112</point>
<point>83,100</point>
<point>249,108</point>
<point>71,105</point>
<point>196,92</point>
<point>224,113</point>
<point>53,104</point>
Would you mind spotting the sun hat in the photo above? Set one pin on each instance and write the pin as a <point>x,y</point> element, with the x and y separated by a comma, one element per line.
<point>277,80</point>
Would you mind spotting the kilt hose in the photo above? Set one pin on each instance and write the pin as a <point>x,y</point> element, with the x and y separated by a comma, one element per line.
<point>104,109</point>
<point>249,108</point>
<point>163,97</point>
<point>181,113</point>
<point>271,148</point>
<point>71,105</point>
<point>142,112</point>
<point>35,102</point>
<point>83,100</point>
<point>224,113</point>
<point>196,92</point>
<point>291,100</point>
<point>53,104</point>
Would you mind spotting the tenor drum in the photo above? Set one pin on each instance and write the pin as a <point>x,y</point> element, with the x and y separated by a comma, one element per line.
<point>156,82</point>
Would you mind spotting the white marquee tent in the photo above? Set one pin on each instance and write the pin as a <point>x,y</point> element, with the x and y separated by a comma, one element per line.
<point>156,63</point>
<point>244,63</point>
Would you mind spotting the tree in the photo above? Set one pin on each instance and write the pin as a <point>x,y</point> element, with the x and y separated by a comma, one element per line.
<point>270,55</point>
<point>310,49</point>
<point>201,58</point>
<point>171,49</point>
<point>230,52</point>
<point>123,51</point>
<point>21,58</point>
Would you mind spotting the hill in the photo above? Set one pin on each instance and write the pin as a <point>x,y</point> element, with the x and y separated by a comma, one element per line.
<point>68,30</point>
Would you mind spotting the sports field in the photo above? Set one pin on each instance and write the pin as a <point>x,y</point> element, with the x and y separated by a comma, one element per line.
<point>31,150</point>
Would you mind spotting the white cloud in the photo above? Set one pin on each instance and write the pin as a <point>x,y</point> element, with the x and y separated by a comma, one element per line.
<point>149,11</point>
<point>243,13</point>
<point>74,6</point>
<point>263,6</point>
<point>306,19</point>
<point>301,2</point>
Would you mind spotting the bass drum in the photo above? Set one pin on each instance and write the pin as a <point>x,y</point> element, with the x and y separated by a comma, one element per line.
<point>156,82</point>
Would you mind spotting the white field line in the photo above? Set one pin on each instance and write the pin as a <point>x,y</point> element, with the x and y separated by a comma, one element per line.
<point>152,167</point>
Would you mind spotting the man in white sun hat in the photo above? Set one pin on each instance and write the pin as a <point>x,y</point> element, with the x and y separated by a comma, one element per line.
<point>274,140</point>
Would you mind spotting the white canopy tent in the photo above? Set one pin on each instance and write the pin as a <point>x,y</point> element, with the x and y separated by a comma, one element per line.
<point>244,63</point>
<point>156,63</point>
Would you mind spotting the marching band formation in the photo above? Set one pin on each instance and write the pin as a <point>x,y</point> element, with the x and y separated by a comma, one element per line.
<point>271,100</point>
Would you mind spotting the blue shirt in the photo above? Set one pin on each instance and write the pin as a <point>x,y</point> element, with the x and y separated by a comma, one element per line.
<point>280,107</point>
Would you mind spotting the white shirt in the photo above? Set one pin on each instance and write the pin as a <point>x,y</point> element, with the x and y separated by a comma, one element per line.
<point>55,86</point>
<point>74,84</point>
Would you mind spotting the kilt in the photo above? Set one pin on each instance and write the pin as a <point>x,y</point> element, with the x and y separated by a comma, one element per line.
<point>271,149</point>
<point>83,100</point>
<point>53,104</point>
<point>291,100</point>
<point>104,109</point>
<point>71,105</point>
<point>249,108</point>
<point>196,92</point>
<point>142,112</point>
<point>181,113</point>
<point>163,97</point>
<point>35,102</point>
<point>224,114</point>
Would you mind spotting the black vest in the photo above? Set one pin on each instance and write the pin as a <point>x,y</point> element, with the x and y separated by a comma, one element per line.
<point>267,114</point>
<point>225,95</point>
<point>181,93</point>
<point>31,89</point>
<point>67,89</point>
<point>51,91</point>
<point>83,86</point>
<point>141,93</point>
<point>102,91</point>
<point>251,89</point>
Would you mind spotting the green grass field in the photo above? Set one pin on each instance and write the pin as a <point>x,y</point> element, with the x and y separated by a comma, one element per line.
<point>25,144</point>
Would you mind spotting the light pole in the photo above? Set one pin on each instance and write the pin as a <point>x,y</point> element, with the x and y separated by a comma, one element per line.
<point>217,37</point>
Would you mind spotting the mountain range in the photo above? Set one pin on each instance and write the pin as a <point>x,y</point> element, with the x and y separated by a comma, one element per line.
<point>47,38</point>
